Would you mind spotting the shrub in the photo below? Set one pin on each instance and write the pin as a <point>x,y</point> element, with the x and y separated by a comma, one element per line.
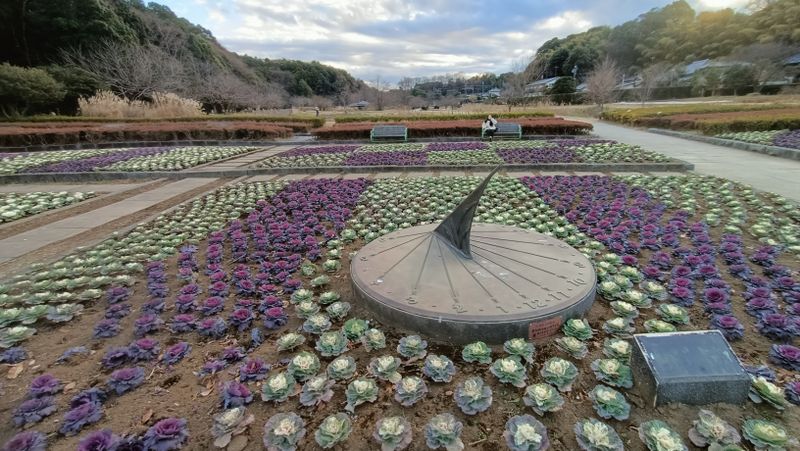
<point>164,104</point>
<point>23,89</point>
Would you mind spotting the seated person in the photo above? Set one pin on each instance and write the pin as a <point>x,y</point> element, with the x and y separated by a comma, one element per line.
<point>489,126</point>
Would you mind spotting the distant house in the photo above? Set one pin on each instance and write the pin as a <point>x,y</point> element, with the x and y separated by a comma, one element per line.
<point>359,105</point>
<point>700,65</point>
<point>494,92</point>
<point>539,87</point>
<point>793,60</point>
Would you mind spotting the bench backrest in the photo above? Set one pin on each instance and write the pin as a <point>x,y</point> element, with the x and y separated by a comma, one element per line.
<point>389,130</point>
<point>508,127</point>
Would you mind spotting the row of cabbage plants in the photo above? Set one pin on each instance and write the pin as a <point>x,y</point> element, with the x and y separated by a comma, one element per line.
<point>465,153</point>
<point>265,280</point>
<point>14,206</point>
<point>124,160</point>
<point>780,138</point>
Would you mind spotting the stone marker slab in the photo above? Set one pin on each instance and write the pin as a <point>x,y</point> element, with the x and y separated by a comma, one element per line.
<point>695,367</point>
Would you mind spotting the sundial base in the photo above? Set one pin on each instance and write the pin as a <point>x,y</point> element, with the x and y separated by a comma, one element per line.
<point>518,283</point>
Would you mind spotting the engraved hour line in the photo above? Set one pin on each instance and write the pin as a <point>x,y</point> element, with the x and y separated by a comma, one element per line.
<point>408,234</point>
<point>523,252</point>
<point>422,268</point>
<point>523,263</point>
<point>513,272</point>
<point>513,241</point>
<point>486,290</point>
<point>453,292</point>
<point>501,281</point>
<point>403,258</point>
<point>393,247</point>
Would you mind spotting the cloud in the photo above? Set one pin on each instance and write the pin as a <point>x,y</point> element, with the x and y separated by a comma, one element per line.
<point>396,38</point>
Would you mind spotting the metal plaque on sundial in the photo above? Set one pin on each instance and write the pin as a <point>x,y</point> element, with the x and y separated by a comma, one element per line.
<point>512,283</point>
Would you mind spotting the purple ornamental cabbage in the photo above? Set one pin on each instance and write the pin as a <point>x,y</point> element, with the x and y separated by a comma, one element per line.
<point>118,311</point>
<point>116,357</point>
<point>214,327</point>
<point>241,318</point>
<point>154,306</point>
<point>166,435</point>
<point>776,326</point>
<point>144,349</point>
<point>27,441</point>
<point>185,303</point>
<point>235,394</point>
<point>126,379</point>
<point>275,317</point>
<point>79,417</point>
<point>146,324</point>
<point>92,395</point>
<point>118,294</point>
<point>792,392</point>
<point>211,306</point>
<point>44,385</point>
<point>253,369</point>
<point>130,443</point>
<point>184,322</point>
<point>69,353</point>
<point>33,410</point>
<point>102,440</point>
<point>176,353</point>
<point>211,368</point>
<point>106,328</point>
<point>729,325</point>
<point>232,354</point>
<point>785,356</point>
<point>13,355</point>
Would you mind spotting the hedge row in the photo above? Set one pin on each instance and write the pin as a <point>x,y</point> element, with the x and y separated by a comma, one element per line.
<point>20,135</point>
<point>463,128</point>
<point>310,122</point>
<point>633,115</point>
<point>436,117</point>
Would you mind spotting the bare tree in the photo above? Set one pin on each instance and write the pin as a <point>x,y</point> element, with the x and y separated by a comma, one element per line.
<point>652,76</point>
<point>602,82</point>
<point>134,72</point>
<point>765,59</point>
<point>379,92</point>
<point>514,86</point>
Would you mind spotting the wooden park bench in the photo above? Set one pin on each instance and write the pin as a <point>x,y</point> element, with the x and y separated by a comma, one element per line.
<point>389,133</point>
<point>506,130</point>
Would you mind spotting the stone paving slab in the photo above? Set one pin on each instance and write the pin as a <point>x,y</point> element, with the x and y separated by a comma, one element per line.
<point>763,172</point>
<point>263,178</point>
<point>26,242</point>
<point>588,173</point>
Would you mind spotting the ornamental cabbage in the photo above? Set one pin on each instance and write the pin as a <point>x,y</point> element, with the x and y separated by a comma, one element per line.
<point>619,326</point>
<point>283,431</point>
<point>354,328</point>
<point>762,390</point>
<point>331,343</point>
<point>674,314</point>
<point>229,423</point>
<point>333,429</point>
<point>303,366</point>
<point>444,431</point>
<point>79,417</point>
<point>126,379</point>
<point>341,368</point>
<point>385,368</point>
<point>409,390</point>
<point>360,391</point>
<point>477,352</point>
<point>253,369</point>
<point>412,347</point>
<point>509,370</point>
<point>624,309</point>
<point>13,335</point>
<point>235,394</point>
<point>594,435</point>
<point>393,433</point>
<point>710,429</point>
<point>473,396</point>
<point>338,310</point>
<point>316,391</point>
<point>373,339</point>
<point>766,435</point>
<point>328,297</point>
<point>317,324</point>
<point>526,433</point>
<point>290,341</point>
<point>609,403</point>
<point>439,368</point>
<point>543,398</point>
<point>305,309</point>
<point>572,346</point>
<point>577,328</point>
<point>166,435</point>
<point>559,372</point>
<point>612,372</point>
<point>520,347</point>
<point>27,441</point>
<point>658,326</point>
<point>99,440</point>
<point>278,387</point>
<point>659,436</point>
<point>616,348</point>
<point>301,295</point>
<point>33,410</point>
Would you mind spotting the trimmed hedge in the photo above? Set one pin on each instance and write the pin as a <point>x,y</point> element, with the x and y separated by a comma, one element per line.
<point>437,117</point>
<point>465,128</point>
<point>310,122</point>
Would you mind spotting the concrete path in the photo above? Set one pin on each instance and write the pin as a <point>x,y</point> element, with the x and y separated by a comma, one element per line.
<point>763,172</point>
<point>240,161</point>
<point>74,187</point>
<point>26,242</point>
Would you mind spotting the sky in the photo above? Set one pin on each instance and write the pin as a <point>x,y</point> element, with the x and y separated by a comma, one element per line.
<point>396,38</point>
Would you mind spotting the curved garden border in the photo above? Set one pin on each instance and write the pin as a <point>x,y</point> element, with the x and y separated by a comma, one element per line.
<point>775,151</point>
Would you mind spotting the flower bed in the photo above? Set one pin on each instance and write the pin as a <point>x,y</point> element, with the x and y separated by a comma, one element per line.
<point>733,118</point>
<point>231,319</point>
<point>14,206</point>
<point>780,138</point>
<point>468,153</point>
<point>433,128</point>
<point>176,159</point>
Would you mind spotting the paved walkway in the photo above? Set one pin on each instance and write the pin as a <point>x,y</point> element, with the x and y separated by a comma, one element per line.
<point>26,242</point>
<point>778,175</point>
<point>72,188</point>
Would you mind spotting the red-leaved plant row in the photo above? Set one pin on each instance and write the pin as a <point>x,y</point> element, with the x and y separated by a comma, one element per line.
<point>730,121</point>
<point>31,134</point>
<point>422,129</point>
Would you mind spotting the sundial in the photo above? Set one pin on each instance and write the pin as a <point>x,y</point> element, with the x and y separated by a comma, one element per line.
<point>458,282</point>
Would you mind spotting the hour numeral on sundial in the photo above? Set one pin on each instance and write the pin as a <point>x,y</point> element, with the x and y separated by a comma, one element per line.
<point>459,308</point>
<point>576,281</point>
<point>411,301</point>
<point>579,265</point>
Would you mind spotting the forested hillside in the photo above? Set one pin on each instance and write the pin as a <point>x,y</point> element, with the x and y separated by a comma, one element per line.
<point>137,49</point>
<point>673,34</point>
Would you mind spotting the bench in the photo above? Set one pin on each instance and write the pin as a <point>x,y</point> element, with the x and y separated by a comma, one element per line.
<point>389,132</point>
<point>506,130</point>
